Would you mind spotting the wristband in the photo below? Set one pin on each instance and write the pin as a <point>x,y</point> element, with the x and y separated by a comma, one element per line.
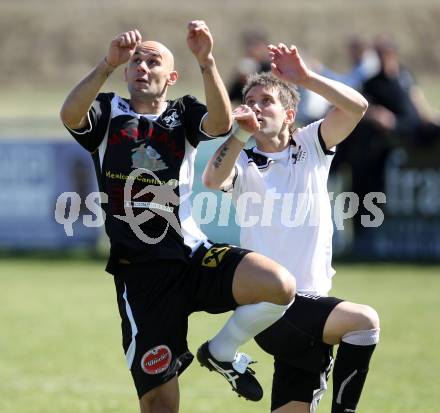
<point>240,134</point>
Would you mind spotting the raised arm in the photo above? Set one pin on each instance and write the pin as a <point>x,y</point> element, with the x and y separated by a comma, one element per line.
<point>219,172</point>
<point>77,104</point>
<point>349,106</point>
<point>219,118</point>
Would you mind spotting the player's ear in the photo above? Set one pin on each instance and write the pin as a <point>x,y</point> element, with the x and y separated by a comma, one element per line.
<point>172,77</point>
<point>290,116</point>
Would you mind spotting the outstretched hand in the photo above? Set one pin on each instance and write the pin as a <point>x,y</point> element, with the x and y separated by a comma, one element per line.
<point>246,119</point>
<point>200,40</point>
<point>122,47</point>
<point>287,64</point>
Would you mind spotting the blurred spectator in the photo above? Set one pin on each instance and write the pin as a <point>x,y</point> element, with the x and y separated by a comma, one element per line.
<point>398,114</point>
<point>255,59</point>
<point>397,105</point>
<point>364,64</point>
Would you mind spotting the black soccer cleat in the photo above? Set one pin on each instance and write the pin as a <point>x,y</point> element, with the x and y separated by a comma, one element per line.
<point>237,373</point>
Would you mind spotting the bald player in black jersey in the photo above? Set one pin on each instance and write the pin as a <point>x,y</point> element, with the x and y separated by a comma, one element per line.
<point>164,267</point>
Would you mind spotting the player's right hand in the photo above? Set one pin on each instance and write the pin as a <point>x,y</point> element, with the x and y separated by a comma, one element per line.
<point>122,47</point>
<point>246,119</point>
<point>200,40</point>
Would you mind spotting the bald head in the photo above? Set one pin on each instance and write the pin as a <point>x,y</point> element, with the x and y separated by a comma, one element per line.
<point>150,47</point>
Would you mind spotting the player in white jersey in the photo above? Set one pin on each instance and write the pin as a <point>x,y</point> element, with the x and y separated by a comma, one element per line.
<point>280,191</point>
<point>292,203</point>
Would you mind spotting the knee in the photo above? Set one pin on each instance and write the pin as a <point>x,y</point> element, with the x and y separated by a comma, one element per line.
<point>284,286</point>
<point>258,278</point>
<point>157,405</point>
<point>367,318</point>
<point>161,399</point>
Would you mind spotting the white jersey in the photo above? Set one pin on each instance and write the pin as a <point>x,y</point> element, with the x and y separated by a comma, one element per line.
<point>283,207</point>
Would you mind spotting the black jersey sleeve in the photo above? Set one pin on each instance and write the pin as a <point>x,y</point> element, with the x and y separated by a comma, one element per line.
<point>98,118</point>
<point>193,114</point>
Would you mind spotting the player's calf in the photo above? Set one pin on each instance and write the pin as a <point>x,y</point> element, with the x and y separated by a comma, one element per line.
<point>352,361</point>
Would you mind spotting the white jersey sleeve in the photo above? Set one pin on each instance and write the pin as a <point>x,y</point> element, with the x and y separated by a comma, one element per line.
<point>310,136</point>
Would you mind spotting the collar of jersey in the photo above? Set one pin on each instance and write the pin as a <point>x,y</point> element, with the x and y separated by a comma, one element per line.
<point>275,156</point>
<point>149,116</point>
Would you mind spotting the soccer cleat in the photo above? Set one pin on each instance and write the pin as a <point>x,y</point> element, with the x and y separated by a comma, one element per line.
<point>236,372</point>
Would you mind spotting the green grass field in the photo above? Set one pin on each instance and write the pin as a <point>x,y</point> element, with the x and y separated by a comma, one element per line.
<point>60,345</point>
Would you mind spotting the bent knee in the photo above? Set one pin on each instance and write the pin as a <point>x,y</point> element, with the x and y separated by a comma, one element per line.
<point>158,404</point>
<point>367,318</point>
<point>258,278</point>
<point>163,399</point>
<point>284,286</point>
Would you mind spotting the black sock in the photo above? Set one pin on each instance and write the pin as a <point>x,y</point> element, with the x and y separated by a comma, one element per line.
<point>349,374</point>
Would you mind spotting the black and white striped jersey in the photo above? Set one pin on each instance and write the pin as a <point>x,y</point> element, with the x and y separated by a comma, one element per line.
<point>158,151</point>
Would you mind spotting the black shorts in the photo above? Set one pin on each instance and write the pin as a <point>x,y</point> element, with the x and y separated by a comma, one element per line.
<point>155,300</point>
<point>302,359</point>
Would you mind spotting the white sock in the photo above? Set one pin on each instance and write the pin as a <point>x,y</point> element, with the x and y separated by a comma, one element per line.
<point>246,322</point>
<point>362,337</point>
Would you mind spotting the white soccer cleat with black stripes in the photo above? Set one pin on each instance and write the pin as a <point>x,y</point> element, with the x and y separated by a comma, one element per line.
<point>237,373</point>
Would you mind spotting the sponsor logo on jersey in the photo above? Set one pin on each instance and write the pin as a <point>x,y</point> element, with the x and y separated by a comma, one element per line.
<point>214,256</point>
<point>123,106</point>
<point>156,195</point>
<point>172,120</point>
<point>299,156</point>
<point>147,158</point>
<point>150,205</point>
<point>156,360</point>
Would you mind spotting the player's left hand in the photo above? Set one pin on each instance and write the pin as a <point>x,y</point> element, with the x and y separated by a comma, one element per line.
<point>287,64</point>
<point>200,41</point>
